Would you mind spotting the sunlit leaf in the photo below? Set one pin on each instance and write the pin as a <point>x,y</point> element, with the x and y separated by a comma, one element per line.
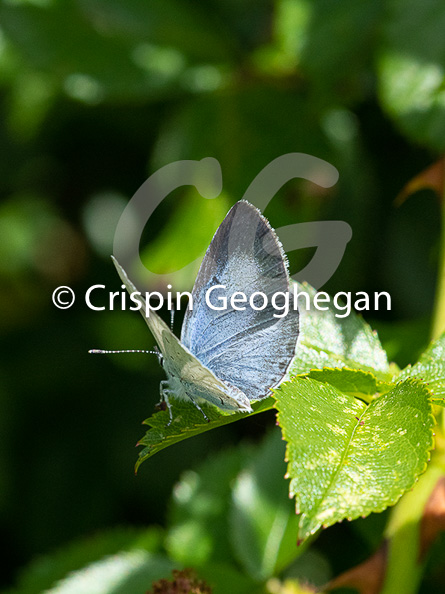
<point>355,382</point>
<point>327,340</point>
<point>187,422</point>
<point>347,459</point>
<point>431,369</point>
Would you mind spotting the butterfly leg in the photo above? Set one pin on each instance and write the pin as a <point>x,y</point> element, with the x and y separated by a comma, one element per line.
<point>199,408</point>
<point>164,391</point>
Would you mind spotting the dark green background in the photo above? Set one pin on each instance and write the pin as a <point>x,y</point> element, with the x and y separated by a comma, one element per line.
<point>95,95</point>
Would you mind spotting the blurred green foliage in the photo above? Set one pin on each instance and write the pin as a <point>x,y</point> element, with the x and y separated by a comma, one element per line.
<point>97,94</point>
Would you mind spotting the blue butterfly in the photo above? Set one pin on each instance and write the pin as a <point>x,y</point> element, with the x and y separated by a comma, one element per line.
<point>230,357</point>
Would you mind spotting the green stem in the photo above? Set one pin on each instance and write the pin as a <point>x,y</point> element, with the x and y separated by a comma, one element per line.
<point>439,308</point>
<point>438,326</point>
<point>404,569</point>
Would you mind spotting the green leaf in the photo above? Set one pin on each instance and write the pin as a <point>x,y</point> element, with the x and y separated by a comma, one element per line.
<point>263,523</point>
<point>411,69</point>
<point>169,23</point>
<point>327,340</point>
<point>199,531</point>
<point>355,382</point>
<point>340,33</point>
<point>128,572</point>
<point>200,535</point>
<point>431,369</point>
<point>187,422</point>
<point>347,459</point>
<point>44,572</point>
<point>102,50</point>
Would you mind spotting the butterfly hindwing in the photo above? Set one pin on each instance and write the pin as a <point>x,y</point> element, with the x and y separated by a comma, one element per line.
<point>187,376</point>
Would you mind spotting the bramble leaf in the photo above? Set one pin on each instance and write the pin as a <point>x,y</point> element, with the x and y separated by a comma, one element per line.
<point>327,340</point>
<point>187,422</point>
<point>355,382</point>
<point>431,369</point>
<point>347,459</point>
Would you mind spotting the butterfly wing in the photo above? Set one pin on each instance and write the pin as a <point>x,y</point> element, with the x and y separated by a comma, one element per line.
<point>249,349</point>
<point>187,376</point>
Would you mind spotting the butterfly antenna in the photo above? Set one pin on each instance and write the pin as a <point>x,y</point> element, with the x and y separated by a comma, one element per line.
<point>172,317</point>
<point>102,352</point>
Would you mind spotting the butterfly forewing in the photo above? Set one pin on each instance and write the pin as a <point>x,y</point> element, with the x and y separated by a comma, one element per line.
<point>249,349</point>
